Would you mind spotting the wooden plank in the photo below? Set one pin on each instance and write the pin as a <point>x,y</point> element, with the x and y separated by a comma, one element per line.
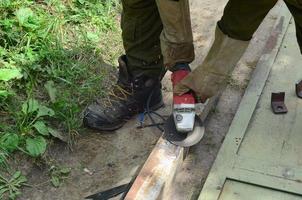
<point>226,159</point>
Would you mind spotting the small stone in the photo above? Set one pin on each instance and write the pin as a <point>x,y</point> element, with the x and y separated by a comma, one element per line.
<point>88,171</point>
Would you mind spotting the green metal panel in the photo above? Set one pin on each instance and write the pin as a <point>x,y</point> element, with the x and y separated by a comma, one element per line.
<point>234,190</point>
<point>260,158</point>
<point>278,137</point>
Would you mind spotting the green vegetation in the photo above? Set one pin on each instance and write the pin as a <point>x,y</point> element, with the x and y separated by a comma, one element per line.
<point>12,185</point>
<point>58,174</point>
<point>52,64</point>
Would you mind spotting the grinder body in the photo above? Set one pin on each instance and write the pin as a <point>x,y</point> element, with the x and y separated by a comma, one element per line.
<point>183,128</point>
<point>183,106</point>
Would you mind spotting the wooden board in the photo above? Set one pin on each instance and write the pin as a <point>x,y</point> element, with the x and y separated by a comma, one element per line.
<point>260,158</point>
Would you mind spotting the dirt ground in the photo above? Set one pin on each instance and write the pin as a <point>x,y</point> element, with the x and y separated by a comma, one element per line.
<point>103,160</point>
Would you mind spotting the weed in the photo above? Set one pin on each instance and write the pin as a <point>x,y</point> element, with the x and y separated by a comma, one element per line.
<point>58,174</point>
<point>52,63</point>
<point>10,187</point>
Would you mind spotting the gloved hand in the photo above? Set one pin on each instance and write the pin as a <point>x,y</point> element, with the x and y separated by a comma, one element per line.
<point>183,105</point>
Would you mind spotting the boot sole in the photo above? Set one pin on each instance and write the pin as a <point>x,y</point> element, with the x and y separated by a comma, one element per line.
<point>113,127</point>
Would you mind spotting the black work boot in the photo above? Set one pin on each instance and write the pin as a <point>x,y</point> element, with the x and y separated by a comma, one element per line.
<point>127,98</point>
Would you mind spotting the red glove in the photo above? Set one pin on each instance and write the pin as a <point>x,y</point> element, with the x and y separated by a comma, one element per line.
<point>187,98</point>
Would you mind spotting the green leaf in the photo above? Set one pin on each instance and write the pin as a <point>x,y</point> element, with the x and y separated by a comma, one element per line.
<point>18,179</point>
<point>3,158</point>
<point>65,170</point>
<point>45,111</point>
<point>93,37</point>
<point>13,195</point>
<point>9,142</point>
<point>51,90</point>
<point>22,179</point>
<point>4,93</point>
<point>30,106</point>
<point>41,128</point>
<point>81,1</point>
<point>57,134</point>
<point>23,15</point>
<point>16,175</point>
<point>2,191</point>
<point>36,146</point>
<point>55,181</point>
<point>8,74</point>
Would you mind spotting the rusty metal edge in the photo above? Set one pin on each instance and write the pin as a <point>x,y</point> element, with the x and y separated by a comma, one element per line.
<point>277,103</point>
<point>299,89</point>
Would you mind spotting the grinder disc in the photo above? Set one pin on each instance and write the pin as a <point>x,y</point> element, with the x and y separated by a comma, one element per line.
<point>183,139</point>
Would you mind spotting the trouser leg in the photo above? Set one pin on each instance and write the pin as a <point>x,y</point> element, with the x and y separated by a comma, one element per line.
<point>176,37</point>
<point>141,27</point>
<point>295,7</point>
<point>240,20</point>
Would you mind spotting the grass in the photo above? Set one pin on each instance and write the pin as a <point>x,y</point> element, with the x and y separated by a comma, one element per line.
<point>53,57</point>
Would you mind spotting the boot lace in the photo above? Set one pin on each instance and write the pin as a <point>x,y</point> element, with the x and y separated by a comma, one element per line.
<point>117,94</point>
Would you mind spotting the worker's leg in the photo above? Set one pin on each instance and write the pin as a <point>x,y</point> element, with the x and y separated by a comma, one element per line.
<point>176,38</point>
<point>240,20</point>
<point>141,27</point>
<point>139,70</point>
<point>295,7</point>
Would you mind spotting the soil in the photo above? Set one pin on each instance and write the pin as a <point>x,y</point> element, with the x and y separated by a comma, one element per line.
<point>103,160</point>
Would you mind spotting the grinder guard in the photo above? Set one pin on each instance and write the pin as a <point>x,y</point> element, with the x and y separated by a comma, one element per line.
<point>183,139</point>
<point>183,127</point>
